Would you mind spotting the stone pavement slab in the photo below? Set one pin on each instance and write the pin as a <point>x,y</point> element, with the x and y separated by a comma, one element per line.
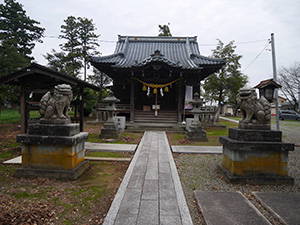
<point>16,160</point>
<point>286,206</point>
<point>197,149</point>
<point>228,119</point>
<point>228,208</point>
<point>101,147</point>
<point>150,192</point>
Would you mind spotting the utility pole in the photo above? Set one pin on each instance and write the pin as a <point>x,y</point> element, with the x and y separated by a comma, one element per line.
<point>275,79</point>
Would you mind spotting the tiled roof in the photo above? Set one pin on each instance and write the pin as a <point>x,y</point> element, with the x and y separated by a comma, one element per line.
<point>178,52</point>
<point>265,83</point>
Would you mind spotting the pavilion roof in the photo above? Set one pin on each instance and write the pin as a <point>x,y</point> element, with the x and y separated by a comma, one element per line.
<point>41,77</point>
<point>138,51</point>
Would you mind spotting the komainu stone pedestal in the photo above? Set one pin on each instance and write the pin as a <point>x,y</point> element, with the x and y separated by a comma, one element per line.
<point>109,131</point>
<point>255,156</point>
<point>196,133</point>
<point>53,150</point>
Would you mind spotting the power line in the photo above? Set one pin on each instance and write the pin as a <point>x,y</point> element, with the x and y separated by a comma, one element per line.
<point>264,48</point>
<point>109,41</point>
<point>237,43</point>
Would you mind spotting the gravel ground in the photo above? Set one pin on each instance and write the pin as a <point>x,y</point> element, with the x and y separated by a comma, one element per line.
<point>199,172</point>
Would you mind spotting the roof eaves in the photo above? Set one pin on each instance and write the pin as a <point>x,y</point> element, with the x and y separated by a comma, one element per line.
<point>37,68</point>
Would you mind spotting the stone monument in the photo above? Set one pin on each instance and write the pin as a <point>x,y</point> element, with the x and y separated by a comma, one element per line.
<point>195,131</point>
<point>110,129</point>
<point>54,147</point>
<point>253,153</point>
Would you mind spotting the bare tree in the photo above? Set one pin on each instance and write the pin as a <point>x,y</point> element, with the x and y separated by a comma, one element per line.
<point>289,79</point>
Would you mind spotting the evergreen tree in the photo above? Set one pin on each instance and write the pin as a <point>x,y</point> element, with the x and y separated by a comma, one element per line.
<point>81,43</point>
<point>71,48</point>
<point>17,29</point>
<point>62,62</point>
<point>224,85</point>
<point>101,80</point>
<point>18,34</point>
<point>164,30</point>
<point>87,40</point>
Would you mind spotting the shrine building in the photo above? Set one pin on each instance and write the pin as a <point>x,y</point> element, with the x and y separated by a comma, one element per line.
<point>150,75</point>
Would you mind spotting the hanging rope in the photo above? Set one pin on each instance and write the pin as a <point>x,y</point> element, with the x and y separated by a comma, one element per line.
<point>156,86</point>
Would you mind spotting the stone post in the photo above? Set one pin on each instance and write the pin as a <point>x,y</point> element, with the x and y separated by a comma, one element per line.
<point>110,130</point>
<point>196,132</point>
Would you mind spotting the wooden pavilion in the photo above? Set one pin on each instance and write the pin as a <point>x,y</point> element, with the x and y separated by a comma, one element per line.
<point>39,79</point>
<point>150,74</point>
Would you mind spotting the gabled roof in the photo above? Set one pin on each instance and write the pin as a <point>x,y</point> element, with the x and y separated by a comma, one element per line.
<point>38,76</point>
<point>176,52</point>
<point>268,82</point>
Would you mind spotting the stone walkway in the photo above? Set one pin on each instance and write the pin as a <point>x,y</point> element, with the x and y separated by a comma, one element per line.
<point>150,192</point>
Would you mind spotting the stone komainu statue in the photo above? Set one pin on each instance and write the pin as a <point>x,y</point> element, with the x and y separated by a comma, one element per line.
<point>56,106</point>
<point>256,112</point>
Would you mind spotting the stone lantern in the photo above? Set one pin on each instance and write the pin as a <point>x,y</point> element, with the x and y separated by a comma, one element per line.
<point>110,130</point>
<point>196,132</point>
<point>266,89</point>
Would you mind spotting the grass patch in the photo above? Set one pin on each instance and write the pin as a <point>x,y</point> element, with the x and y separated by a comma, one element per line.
<point>14,116</point>
<point>10,116</point>
<point>93,138</point>
<point>7,169</point>
<point>108,154</point>
<point>212,134</point>
<point>6,155</point>
<point>25,194</point>
<point>125,138</point>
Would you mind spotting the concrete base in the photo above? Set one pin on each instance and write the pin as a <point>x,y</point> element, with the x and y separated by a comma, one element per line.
<point>255,156</point>
<point>109,131</point>
<point>255,179</point>
<point>196,133</point>
<point>53,173</point>
<point>53,150</point>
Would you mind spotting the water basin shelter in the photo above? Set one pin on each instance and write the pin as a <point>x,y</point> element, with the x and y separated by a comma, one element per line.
<point>150,75</point>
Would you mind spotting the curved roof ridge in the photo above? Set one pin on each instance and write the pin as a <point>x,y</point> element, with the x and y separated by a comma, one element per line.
<point>157,58</point>
<point>158,38</point>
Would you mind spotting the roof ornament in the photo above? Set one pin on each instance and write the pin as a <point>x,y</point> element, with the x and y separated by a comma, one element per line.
<point>157,53</point>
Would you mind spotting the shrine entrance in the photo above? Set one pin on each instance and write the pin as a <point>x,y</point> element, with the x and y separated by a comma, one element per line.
<point>150,74</point>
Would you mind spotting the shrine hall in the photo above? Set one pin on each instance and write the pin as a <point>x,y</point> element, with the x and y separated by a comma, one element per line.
<point>151,75</point>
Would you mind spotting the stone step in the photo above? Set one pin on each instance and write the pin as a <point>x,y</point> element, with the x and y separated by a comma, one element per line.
<point>149,117</point>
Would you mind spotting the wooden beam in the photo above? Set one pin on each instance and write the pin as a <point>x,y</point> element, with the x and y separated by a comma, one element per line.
<point>23,109</point>
<point>131,100</point>
<point>180,97</point>
<point>81,108</point>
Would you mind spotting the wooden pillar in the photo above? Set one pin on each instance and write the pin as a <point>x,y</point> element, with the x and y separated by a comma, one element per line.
<point>81,108</point>
<point>180,97</point>
<point>132,101</point>
<point>23,108</point>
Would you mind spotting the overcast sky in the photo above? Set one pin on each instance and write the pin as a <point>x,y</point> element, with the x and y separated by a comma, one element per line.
<point>248,23</point>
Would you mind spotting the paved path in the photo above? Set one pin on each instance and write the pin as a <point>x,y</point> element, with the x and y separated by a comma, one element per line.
<point>150,192</point>
<point>101,147</point>
<point>197,149</point>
